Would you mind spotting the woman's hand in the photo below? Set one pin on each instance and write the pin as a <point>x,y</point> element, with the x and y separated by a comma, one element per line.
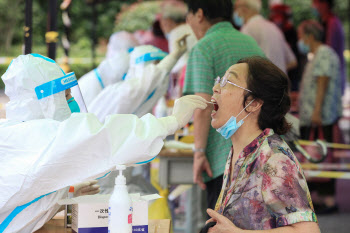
<point>223,224</point>
<point>200,164</point>
<point>316,119</point>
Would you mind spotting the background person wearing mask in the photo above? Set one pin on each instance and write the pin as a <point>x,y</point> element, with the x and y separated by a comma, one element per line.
<point>219,46</point>
<point>45,148</point>
<point>173,24</point>
<point>268,36</point>
<point>334,33</point>
<point>320,102</point>
<point>281,15</point>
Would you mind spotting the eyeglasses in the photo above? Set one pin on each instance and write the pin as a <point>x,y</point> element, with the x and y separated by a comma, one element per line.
<point>224,80</point>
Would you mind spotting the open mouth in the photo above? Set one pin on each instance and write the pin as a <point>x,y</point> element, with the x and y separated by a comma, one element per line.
<point>216,106</point>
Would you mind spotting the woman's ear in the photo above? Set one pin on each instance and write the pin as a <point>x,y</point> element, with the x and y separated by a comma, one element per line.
<point>255,104</point>
<point>200,15</point>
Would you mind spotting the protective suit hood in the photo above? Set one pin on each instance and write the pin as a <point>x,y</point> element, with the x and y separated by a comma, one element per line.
<point>120,41</point>
<point>111,70</point>
<point>23,75</point>
<point>141,57</point>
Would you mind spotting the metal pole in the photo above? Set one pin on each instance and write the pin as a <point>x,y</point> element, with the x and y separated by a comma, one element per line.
<point>93,32</point>
<point>28,27</point>
<point>51,34</point>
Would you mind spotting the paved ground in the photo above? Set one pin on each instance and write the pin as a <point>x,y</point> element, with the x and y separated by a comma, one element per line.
<point>335,223</point>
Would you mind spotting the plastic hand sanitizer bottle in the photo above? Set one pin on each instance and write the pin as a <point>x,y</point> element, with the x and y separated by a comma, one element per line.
<point>120,207</point>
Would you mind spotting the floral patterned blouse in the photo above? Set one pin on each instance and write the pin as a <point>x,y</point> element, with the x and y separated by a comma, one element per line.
<point>268,188</point>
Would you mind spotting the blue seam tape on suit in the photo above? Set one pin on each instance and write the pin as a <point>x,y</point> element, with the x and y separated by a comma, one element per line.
<point>18,210</point>
<point>99,78</point>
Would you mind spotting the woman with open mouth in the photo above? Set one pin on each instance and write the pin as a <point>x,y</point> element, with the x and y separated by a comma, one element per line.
<point>264,187</point>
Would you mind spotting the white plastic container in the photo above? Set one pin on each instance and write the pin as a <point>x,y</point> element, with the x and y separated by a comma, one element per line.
<point>120,206</point>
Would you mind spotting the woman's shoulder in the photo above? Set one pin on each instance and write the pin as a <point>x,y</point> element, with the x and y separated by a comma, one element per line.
<point>325,52</point>
<point>279,151</point>
<point>271,149</point>
<point>275,148</point>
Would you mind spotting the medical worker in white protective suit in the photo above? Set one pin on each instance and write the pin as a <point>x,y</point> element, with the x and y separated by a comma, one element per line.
<point>44,147</point>
<point>145,82</point>
<point>122,40</point>
<point>111,70</point>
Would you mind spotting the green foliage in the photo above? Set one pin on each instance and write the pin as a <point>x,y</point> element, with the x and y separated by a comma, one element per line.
<point>3,69</point>
<point>302,10</point>
<point>10,18</point>
<point>138,17</point>
<point>107,16</point>
<point>12,12</point>
<point>84,43</point>
<point>79,71</point>
<point>80,49</point>
<point>12,22</point>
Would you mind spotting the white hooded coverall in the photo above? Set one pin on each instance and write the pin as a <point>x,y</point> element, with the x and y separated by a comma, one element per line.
<point>43,149</point>
<point>144,85</point>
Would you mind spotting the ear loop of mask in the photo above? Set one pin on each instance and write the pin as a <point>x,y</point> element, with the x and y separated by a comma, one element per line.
<point>281,99</point>
<point>244,109</point>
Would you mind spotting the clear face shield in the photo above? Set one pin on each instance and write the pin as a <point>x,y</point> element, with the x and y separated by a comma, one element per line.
<point>63,90</point>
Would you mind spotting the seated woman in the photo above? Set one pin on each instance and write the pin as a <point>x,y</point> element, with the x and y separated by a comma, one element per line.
<point>264,186</point>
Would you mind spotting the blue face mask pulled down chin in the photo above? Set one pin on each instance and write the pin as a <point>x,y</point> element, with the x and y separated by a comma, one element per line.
<point>303,48</point>
<point>73,105</point>
<point>231,126</point>
<point>237,20</point>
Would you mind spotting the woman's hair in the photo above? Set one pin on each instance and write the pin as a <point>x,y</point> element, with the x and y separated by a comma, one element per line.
<point>271,85</point>
<point>312,27</point>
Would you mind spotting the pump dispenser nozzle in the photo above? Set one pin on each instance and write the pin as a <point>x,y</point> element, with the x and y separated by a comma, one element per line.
<point>120,179</point>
